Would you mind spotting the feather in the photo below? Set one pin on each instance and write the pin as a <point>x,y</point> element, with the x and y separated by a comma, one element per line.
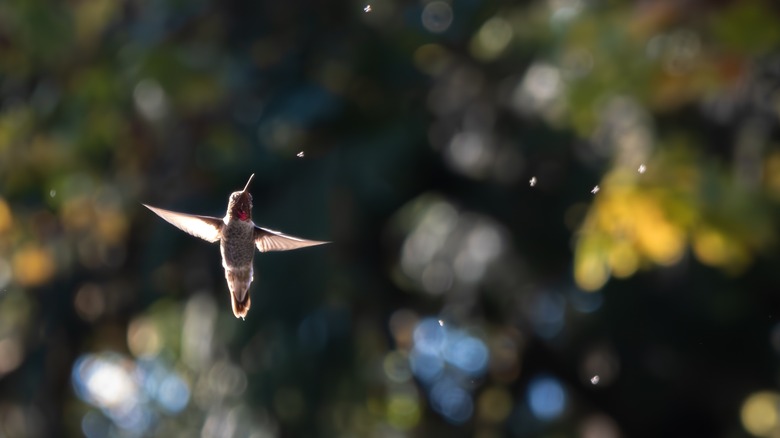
<point>240,307</point>
<point>269,240</point>
<point>205,227</point>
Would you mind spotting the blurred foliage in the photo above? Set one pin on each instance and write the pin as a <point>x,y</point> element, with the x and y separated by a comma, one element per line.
<point>550,217</point>
<point>635,223</point>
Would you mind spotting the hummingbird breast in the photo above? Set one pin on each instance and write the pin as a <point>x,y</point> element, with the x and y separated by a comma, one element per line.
<point>238,250</point>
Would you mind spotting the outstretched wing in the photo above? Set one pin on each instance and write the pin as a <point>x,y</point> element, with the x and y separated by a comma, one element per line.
<point>269,240</point>
<point>206,227</point>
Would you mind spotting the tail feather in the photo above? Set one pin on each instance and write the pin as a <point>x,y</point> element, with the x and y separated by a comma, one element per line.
<point>238,280</point>
<point>241,307</point>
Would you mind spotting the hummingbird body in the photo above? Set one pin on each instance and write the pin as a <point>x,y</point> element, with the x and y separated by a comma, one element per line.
<point>238,237</point>
<point>238,252</point>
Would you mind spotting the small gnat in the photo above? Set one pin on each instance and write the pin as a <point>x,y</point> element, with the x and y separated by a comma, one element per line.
<point>595,190</point>
<point>642,168</point>
<point>532,181</point>
<point>595,379</point>
<point>52,193</point>
<point>441,323</point>
<point>367,9</point>
<point>300,154</point>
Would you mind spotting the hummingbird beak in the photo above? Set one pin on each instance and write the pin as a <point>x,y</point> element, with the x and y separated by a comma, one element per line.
<point>246,187</point>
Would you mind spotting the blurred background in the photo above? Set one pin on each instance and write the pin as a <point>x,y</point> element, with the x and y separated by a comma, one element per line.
<point>550,218</point>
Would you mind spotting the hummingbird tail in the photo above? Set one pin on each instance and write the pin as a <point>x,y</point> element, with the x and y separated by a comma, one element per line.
<point>240,308</point>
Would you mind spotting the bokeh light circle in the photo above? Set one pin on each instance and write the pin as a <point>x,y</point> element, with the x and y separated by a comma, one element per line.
<point>546,398</point>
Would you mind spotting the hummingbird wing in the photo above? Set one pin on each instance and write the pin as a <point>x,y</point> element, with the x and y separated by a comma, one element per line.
<point>206,227</point>
<point>269,240</point>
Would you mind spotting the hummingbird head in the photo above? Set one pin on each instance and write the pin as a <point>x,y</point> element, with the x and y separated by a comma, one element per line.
<point>240,205</point>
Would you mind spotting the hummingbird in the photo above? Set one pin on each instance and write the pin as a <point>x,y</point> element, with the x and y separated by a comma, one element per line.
<point>238,237</point>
